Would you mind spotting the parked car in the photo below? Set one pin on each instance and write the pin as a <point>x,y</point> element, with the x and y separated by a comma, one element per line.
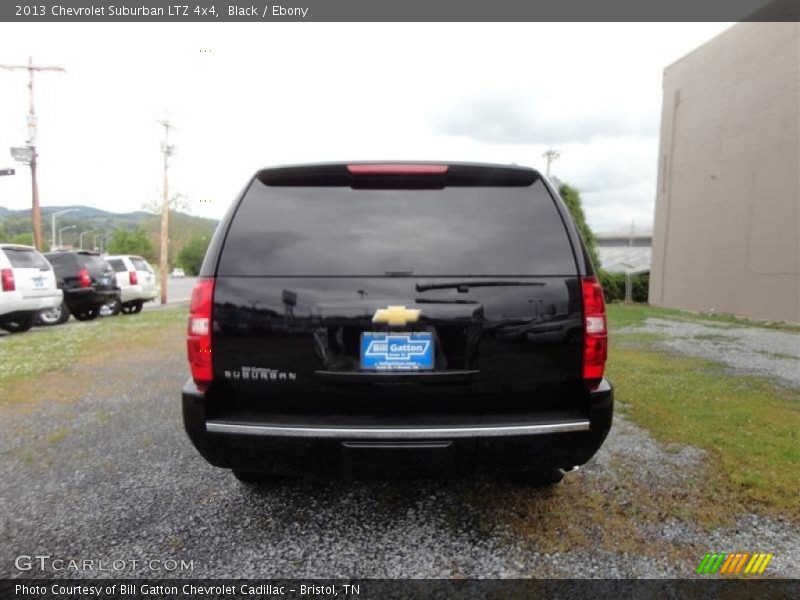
<point>178,273</point>
<point>371,319</point>
<point>88,282</point>
<point>28,286</point>
<point>136,281</point>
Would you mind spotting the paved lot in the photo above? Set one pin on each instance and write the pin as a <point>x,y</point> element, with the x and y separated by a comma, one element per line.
<point>99,468</point>
<point>179,291</point>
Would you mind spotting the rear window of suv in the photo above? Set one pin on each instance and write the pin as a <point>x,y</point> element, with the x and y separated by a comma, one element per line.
<point>93,263</point>
<point>117,264</point>
<point>23,258</point>
<point>141,264</point>
<point>340,231</point>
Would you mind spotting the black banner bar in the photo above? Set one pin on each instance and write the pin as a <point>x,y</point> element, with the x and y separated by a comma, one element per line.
<point>401,11</point>
<point>239,589</point>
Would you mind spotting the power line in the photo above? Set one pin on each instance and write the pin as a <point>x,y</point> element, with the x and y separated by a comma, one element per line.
<point>36,215</point>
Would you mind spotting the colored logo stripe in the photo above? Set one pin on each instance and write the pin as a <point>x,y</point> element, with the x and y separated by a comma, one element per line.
<point>711,562</point>
<point>731,564</point>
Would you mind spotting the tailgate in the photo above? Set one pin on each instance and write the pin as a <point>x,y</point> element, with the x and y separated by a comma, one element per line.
<point>103,276</point>
<point>454,290</point>
<point>298,342</point>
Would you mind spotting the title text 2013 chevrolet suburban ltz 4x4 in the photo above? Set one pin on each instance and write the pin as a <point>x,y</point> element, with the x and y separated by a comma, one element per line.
<point>376,319</point>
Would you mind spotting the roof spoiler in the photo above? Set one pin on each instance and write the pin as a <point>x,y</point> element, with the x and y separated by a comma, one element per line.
<point>403,175</point>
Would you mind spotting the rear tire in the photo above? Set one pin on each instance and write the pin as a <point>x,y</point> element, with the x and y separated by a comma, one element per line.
<point>90,314</point>
<point>54,316</point>
<point>254,477</point>
<point>111,309</point>
<point>19,324</point>
<point>131,308</point>
<point>543,479</point>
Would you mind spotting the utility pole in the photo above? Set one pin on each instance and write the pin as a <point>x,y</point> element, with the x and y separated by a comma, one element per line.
<point>163,266</point>
<point>36,215</point>
<point>551,156</point>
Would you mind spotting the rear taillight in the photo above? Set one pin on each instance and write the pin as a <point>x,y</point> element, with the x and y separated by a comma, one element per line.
<point>84,280</point>
<point>198,338</point>
<point>595,334</point>
<point>133,277</point>
<point>8,280</point>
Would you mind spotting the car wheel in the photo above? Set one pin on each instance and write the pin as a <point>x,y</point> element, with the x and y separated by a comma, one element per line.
<point>54,316</point>
<point>255,477</point>
<point>88,314</point>
<point>137,306</point>
<point>19,324</point>
<point>111,309</point>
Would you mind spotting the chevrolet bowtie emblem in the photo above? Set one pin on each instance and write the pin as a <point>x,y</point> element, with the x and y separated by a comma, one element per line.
<point>396,315</point>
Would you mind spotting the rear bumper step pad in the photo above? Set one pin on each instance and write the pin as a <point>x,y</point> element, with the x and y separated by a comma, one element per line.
<point>397,432</point>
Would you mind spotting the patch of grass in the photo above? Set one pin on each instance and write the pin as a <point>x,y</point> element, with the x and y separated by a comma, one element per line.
<point>638,338</point>
<point>44,351</point>
<point>615,512</point>
<point>625,315</point>
<point>633,315</point>
<point>750,427</point>
<point>57,436</point>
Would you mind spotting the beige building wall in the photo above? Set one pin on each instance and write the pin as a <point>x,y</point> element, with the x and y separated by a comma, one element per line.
<point>727,214</point>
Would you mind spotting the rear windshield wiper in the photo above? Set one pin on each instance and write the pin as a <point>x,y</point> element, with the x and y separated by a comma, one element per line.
<point>463,286</point>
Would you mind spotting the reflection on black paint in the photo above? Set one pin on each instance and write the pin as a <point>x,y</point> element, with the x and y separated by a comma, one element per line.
<point>459,230</point>
<point>514,335</point>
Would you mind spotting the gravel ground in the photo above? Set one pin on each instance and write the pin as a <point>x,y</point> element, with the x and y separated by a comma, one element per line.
<point>769,353</point>
<point>100,469</point>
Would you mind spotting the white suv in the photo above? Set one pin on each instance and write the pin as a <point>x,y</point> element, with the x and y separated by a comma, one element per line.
<point>137,283</point>
<point>28,286</point>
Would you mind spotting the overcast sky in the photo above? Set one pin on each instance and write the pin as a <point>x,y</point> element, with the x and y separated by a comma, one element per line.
<point>263,94</point>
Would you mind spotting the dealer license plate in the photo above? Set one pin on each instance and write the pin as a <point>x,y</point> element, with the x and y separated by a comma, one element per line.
<point>407,351</point>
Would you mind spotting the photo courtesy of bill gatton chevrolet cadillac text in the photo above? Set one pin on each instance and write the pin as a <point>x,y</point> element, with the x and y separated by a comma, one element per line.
<point>381,319</point>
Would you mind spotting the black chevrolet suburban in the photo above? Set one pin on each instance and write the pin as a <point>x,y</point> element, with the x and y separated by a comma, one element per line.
<point>378,319</point>
<point>88,283</point>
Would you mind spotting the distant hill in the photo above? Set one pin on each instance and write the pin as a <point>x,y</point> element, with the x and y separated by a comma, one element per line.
<point>87,218</point>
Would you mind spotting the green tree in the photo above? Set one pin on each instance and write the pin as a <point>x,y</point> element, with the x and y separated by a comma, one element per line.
<point>572,198</point>
<point>26,239</point>
<point>131,241</point>
<point>191,255</point>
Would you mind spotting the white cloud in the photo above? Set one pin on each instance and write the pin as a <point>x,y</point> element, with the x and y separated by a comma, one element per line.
<point>298,92</point>
<point>517,117</point>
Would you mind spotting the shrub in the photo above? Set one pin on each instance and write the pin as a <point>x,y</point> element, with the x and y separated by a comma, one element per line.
<point>614,286</point>
<point>572,199</point>
<point>190,256</point>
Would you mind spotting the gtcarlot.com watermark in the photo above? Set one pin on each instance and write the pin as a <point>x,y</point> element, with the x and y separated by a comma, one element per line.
<point>49,563</point>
